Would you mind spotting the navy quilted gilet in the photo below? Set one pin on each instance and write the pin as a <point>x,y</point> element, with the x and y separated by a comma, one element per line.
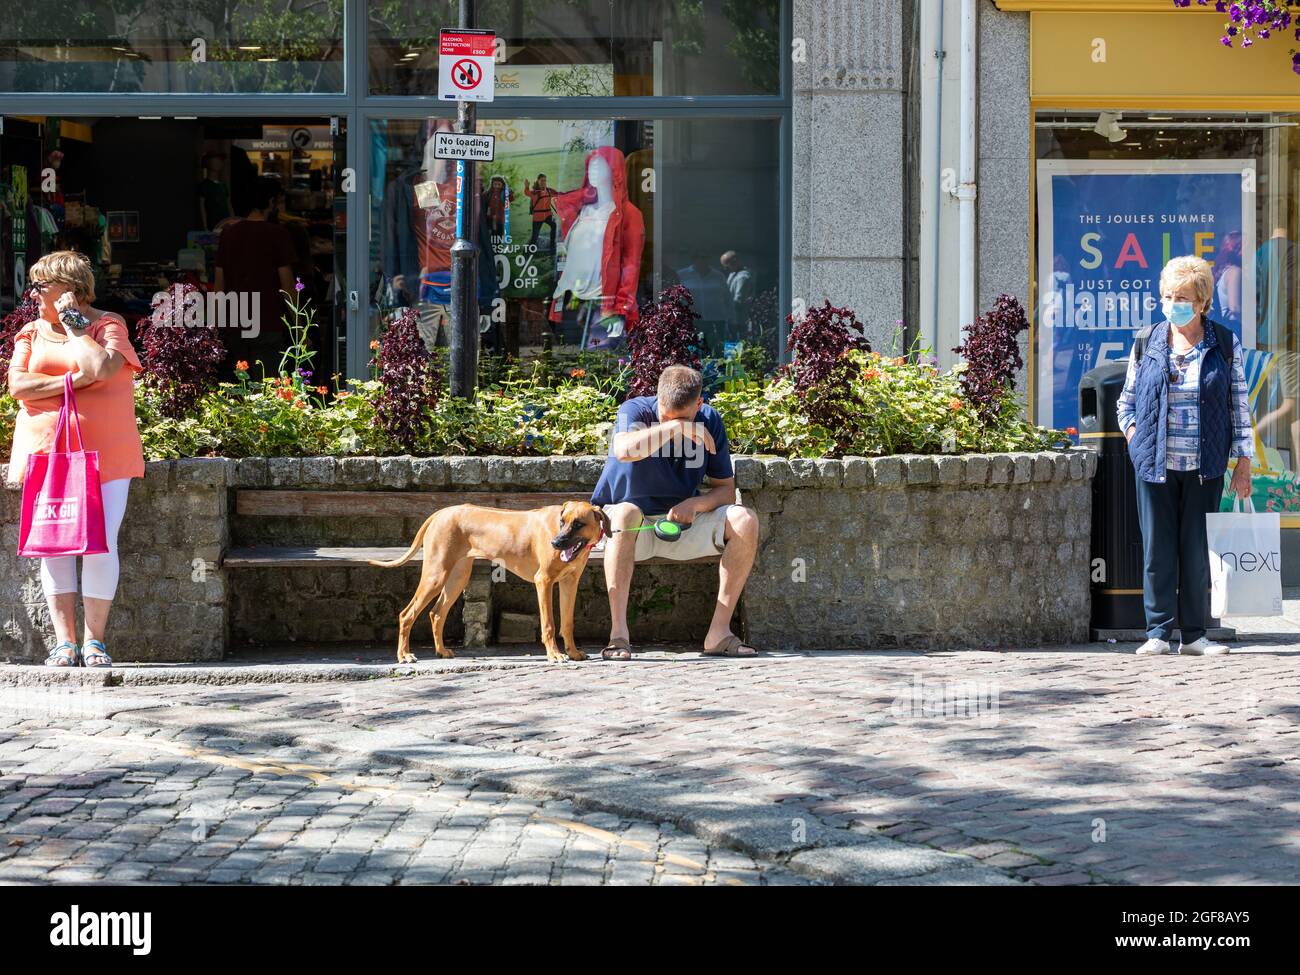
<point>1147,448</point>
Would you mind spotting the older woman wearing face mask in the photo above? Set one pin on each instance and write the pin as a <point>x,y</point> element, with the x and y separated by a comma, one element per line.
<point>71,336</point>
<point>1185,411</point>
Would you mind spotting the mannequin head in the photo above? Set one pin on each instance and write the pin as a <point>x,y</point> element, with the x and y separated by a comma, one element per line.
<point>212,167</point>
<point>600,176</point>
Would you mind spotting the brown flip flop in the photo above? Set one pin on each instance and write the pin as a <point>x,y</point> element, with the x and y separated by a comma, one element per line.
<point>618,649</point>
<point>730,647</point>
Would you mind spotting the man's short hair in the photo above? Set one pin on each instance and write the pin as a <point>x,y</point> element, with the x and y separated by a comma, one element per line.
<point>266,191</point>
<point>679,387</point>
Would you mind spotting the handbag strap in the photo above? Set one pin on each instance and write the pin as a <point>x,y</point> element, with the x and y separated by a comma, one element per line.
<point>68,419</point>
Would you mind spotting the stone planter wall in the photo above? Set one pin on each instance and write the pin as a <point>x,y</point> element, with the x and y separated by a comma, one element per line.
<point>857,553</point>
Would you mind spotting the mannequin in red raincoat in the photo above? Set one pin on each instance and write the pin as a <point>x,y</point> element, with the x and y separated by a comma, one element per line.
<point>604,235</point>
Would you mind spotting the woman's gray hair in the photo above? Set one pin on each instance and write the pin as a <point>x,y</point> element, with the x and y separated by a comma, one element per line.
<point>1197,270</point>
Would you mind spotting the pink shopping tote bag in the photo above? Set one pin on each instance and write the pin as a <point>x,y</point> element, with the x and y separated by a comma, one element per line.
<point>63,511</point>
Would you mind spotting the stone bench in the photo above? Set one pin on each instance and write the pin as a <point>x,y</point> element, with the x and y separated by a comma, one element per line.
<point>854,553</point>
<point>478,611</point>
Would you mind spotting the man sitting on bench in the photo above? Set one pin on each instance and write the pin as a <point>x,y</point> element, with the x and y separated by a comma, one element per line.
<point>663,448</point>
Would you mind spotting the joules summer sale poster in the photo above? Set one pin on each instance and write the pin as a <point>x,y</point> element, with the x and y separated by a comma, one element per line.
<point>1105,230</point>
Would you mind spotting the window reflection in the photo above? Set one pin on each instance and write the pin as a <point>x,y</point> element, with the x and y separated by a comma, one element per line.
<point>589,48</point>
<point>258,46</point>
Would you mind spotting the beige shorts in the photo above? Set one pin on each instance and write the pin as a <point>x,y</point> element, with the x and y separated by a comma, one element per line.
<point>705,537</point>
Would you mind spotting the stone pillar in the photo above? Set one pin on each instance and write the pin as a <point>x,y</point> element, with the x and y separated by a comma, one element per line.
<point>1003,174</point>
<point>848,178</point>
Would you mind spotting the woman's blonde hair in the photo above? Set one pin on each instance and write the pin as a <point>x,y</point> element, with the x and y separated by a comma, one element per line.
<point>68,268</point>
<point>1198,271</point>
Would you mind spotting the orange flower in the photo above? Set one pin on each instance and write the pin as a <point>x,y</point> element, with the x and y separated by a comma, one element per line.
<point>577,373</point>
<point>374,345</point>
<point>1072,431</point>
<point>263,428</point>
<point>299,405</point>
<point>322,390</point>
<point>900,360</point>
<point>871,374</point>
<point>241,366</point>
<point>344,395</point>
<point>284,394</point>
<point>954,404</point>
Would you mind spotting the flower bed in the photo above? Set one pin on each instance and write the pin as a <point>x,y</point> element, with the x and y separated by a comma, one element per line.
<point>838,399</point>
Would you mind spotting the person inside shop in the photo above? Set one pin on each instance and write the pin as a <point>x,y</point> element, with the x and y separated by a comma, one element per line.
<point>1275,264</point>
<point>1227,280</point>
<point>1180,449</point>
<point>256,256</point>
<point>94,346</point>
<point>213,195</point>
<point>740,288</point>
<point>708,287</point>
<point>541,201</point>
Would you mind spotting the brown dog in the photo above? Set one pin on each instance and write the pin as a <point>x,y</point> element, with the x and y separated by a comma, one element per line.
<point>545,546</point>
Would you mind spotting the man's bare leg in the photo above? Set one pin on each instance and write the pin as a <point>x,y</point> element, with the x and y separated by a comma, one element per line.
<point>741,545</point>
<point>620,556</point>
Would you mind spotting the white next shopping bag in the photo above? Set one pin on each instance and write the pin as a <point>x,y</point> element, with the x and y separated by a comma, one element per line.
<point>1245,561</point>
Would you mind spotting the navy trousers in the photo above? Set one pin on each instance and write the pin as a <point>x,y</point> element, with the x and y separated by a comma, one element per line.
<point>1175,555</point>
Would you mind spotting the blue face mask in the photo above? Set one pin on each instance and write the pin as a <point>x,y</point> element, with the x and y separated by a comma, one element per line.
<point>1179,312</point>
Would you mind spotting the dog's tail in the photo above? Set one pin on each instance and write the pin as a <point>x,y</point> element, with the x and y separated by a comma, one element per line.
<point>410,552</point>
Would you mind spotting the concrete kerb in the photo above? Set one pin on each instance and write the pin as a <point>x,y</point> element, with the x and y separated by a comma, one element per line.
<point>761,830</point>
<point>37,675</point>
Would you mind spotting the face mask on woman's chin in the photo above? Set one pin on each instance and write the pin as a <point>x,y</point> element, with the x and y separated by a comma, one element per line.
<point>1178,312</point>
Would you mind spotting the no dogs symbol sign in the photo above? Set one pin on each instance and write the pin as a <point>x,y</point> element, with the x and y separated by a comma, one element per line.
<point>465,65</point>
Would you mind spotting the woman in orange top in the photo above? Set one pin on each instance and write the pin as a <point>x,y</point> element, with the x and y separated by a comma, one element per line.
<point>70,336</point>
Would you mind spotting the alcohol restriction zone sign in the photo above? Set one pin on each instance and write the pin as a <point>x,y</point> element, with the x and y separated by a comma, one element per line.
<point>472,148</point>
<point>466,60</point>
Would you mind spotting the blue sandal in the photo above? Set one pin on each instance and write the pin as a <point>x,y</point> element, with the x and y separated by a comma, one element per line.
<point>65,654</point>
<point>99,655</point>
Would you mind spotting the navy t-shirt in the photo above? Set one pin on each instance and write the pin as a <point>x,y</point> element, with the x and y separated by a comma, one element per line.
<point>671,475</point>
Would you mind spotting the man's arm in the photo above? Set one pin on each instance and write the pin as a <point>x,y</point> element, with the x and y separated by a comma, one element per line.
<point>720,492</point>
<point>634,445</point>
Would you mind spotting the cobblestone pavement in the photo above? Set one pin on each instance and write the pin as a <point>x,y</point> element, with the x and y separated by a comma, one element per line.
<point>90,801</point>
<point>1073,766</point>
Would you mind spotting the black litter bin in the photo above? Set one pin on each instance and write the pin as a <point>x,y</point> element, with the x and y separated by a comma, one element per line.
<point>1116,569</point>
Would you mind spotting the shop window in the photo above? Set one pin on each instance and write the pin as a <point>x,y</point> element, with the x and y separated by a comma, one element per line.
<point>240,208</point>
<point>583,48</point>
<point>584,222</point>
<point>1117,196</point>
<point>172,46</point>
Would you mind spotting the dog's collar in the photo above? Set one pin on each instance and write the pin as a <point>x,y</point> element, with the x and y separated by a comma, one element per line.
<point>598,539</point>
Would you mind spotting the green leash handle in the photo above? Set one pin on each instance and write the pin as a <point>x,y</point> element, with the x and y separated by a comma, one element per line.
<point>669,531</point>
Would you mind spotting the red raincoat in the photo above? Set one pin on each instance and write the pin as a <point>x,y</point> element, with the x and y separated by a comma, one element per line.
<point>620,264</point>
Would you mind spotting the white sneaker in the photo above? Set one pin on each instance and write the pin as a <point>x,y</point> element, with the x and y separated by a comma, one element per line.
<point>1203,647</point>
<point>1154,646</point>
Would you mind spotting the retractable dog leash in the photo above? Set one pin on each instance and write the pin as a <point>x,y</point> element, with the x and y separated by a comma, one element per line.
<point>669,531</point>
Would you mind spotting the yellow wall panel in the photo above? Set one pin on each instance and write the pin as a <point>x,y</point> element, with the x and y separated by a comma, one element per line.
<point>1154,60</point>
